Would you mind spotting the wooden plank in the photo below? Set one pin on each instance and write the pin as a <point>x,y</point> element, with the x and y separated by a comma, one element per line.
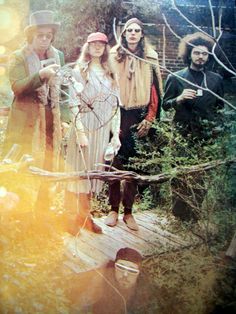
<point>128,239</point>
<point>144,233</point>
<point>75,267</point>
<point>77,249</point>
<point>152,224</point>
<point>98,251</point>
<point>102,242</point>
<point>90,250</point>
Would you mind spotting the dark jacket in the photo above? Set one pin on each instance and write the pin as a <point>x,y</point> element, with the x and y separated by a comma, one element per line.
<point>190,113</point>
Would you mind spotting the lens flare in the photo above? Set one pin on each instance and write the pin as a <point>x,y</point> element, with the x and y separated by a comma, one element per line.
<point>2,50</point>
<point>9,24</point>
<point>3,191</point>
<point>2,71</point>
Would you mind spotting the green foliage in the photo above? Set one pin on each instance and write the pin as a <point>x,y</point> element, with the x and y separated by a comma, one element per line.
<point>80,18</point>
<point>166,150</point>
<point>184,282</point>
<point>226,302</point>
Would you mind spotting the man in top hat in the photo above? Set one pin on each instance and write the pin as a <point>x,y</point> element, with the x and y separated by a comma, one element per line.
<point>140,89</point>
<point>35,117</point>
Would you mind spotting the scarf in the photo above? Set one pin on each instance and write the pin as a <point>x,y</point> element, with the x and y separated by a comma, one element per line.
<point>48,89</point>
<point>135,78</point>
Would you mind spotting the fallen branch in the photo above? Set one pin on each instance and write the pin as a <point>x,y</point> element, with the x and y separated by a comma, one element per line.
<point>128,175</point>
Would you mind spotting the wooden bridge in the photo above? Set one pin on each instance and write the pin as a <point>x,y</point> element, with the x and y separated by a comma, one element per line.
<point>89,250</point>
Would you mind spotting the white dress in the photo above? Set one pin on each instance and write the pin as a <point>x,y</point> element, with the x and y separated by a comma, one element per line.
<point>92,113</point>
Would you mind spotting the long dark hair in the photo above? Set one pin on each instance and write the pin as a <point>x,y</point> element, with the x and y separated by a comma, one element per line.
<point>190,41</point>
<point>140,51</point>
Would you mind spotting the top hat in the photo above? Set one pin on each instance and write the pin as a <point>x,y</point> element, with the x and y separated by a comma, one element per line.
<point>41,18</point>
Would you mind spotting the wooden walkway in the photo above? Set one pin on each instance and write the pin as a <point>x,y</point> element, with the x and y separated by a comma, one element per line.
<point>89,250</point>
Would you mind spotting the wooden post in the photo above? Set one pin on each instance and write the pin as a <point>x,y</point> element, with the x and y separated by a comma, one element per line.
<point>231,252</point>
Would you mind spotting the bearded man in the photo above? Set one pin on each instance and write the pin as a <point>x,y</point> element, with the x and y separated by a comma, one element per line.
<point>196,112</point>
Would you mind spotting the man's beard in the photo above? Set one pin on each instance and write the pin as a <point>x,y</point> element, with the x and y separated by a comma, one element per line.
<point>199,65</point>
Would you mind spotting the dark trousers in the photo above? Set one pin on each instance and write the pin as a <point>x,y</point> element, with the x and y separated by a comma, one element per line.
<point>116,195</point>
<point>127,197</point>
<point>129,121</point>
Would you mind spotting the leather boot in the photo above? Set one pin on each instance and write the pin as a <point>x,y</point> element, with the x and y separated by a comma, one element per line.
<point>78,213</point>
<point>84,217</point>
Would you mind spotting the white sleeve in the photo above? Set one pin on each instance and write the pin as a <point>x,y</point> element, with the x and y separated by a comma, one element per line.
<point>74,95</point>
<point>115,122</point>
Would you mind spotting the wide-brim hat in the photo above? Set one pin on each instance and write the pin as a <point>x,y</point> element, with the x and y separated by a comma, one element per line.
<point>40,19</point>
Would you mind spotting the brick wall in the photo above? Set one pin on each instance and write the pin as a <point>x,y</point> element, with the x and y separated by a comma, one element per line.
<point>174,63</point>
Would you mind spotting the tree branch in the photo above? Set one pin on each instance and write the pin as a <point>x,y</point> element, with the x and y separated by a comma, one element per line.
<point>213,49</point>
<point>119,175</point>
<point>212,19</point>
<point>189,21</point>
<point>179,77</point>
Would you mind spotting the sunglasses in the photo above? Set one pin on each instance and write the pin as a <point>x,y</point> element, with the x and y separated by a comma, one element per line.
<point>137,30</point>
<point>42,36</point>
<point>133,271</point>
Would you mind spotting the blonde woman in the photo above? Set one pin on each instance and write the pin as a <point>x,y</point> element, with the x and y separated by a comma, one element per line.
<point>94,135</point>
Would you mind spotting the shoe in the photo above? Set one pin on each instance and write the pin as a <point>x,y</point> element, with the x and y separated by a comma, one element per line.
<point>92,226</point>
<point>111,219</point>
<point>130,222</point>
<point>89,224</point>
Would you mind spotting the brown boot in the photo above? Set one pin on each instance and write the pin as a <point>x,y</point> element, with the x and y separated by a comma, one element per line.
<point>130,222</point>
<point>78,214</point>
<point>89,224</point>
<point>84,217</point>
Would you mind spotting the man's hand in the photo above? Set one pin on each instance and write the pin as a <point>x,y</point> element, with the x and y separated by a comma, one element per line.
<point>186,94</point>
<point>143,128</point>
<point>48,72</point>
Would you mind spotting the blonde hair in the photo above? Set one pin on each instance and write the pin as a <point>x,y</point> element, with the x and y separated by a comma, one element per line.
<point>83,63</point>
